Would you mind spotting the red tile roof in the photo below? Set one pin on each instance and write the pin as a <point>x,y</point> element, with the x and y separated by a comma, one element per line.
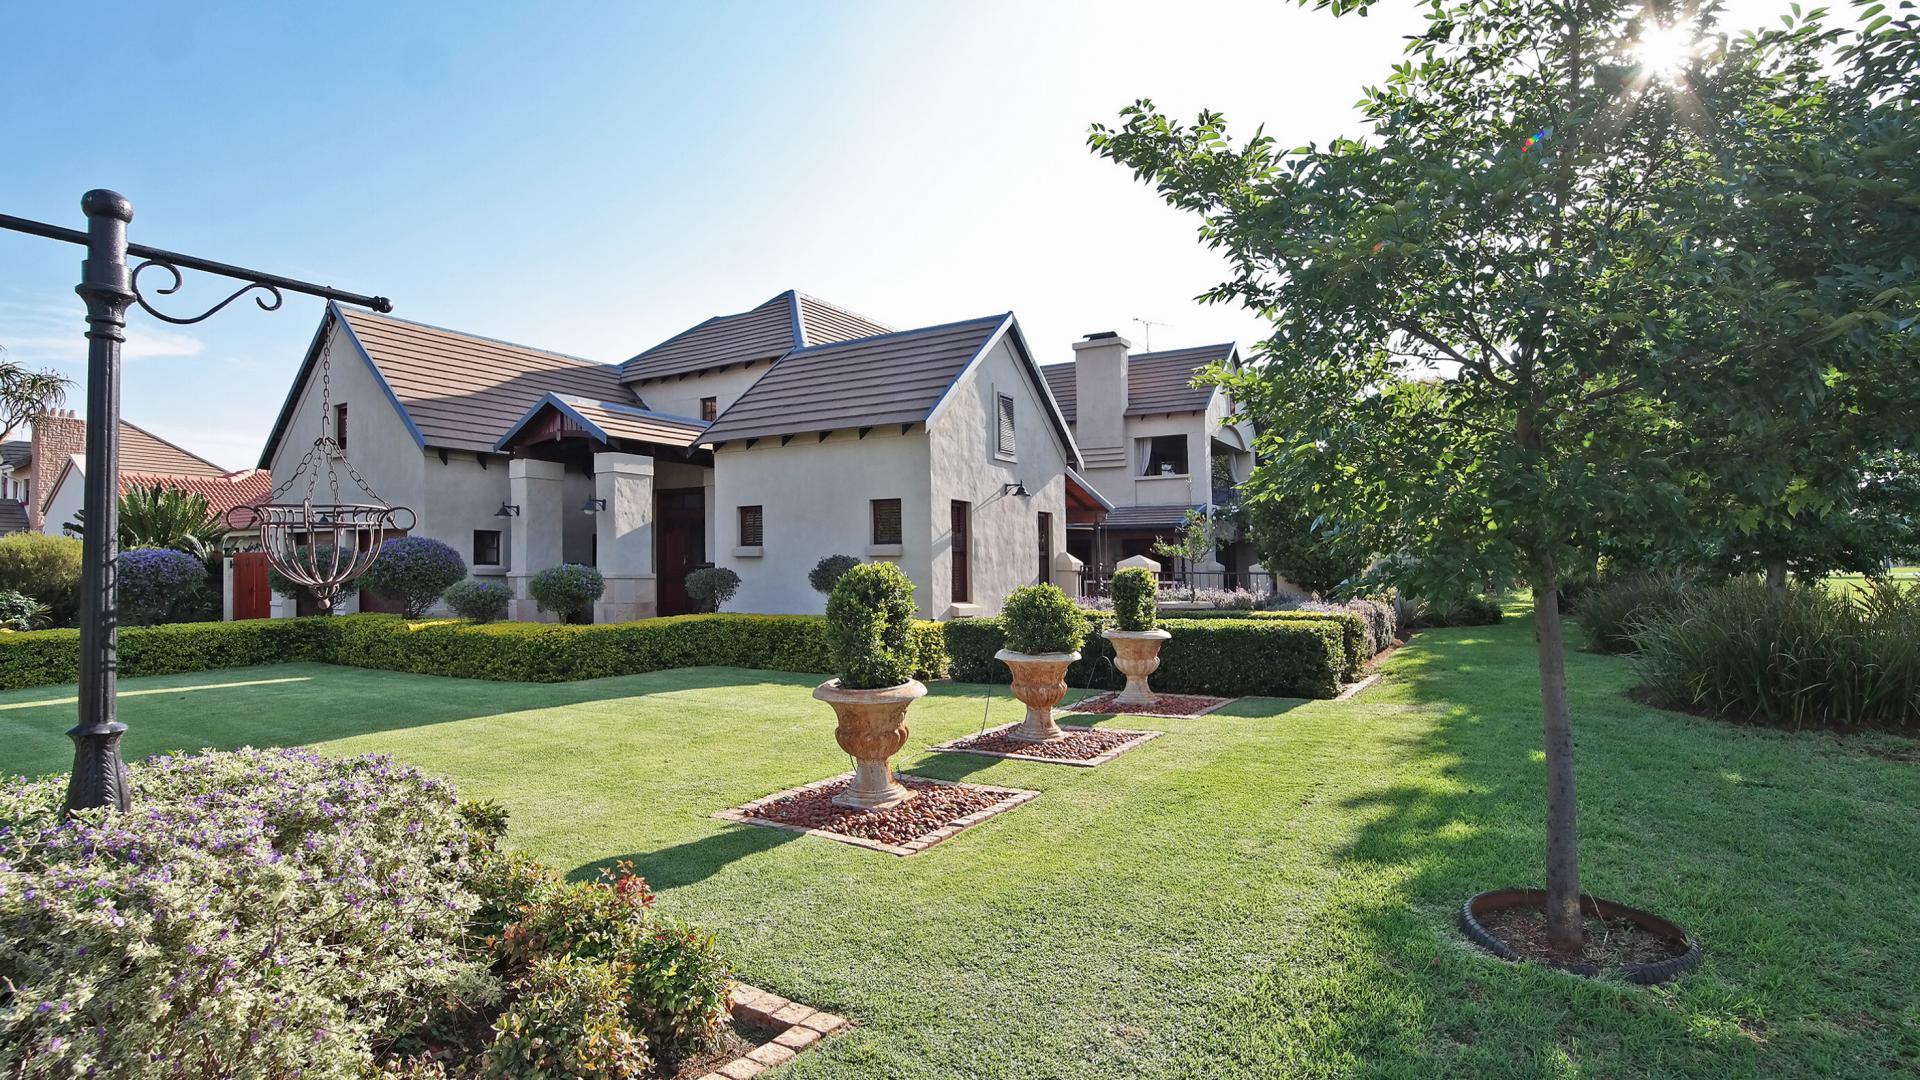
<point>223,493</point>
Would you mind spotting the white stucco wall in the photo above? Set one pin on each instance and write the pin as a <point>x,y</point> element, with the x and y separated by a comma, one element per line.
<point>814,498</point>
<point>461,497</point>
<point>67,499</point>
<point>1005,543</point>
<point>681,397</point>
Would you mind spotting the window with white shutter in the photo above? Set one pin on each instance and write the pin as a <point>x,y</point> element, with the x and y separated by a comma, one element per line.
<point>1004,445</point>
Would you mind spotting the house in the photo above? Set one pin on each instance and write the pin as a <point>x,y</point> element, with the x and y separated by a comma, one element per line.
<point>33,468</point>
<point>760,441</point>
<point>1156,446</point>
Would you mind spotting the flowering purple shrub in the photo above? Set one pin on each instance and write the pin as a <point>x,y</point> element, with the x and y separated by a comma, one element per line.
<point>257,913</point>
<point>158,584</point>
<point>414,570</point>
<point>568,590</point>
<point>479,599</point>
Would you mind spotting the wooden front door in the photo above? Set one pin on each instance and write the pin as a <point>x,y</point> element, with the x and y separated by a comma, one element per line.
<point>252,598</point>
<point>680,544</point>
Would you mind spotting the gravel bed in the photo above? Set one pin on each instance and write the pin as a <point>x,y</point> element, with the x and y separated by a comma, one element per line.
<point>1081,744</point>
<point>933,807</point>
<point>1163,705</point>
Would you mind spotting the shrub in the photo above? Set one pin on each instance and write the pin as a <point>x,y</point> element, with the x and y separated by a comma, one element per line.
<point>21,612</point>
<point>1041,619</point>
<point>1293,548</point>
<point>257,913</point>
<point>567,590</point>
<point>1613,611</point>
<point>46,568</point>
<point>1462,611</point>
<point>1136,595</point>
<point>1812,658</point>
<point>869,627</point>
<point>569,1022</point>
<point>157,584</point>
<point>712,586</point>
<point>826,573</point>
<point>479,599</point>
<point>322,556</point>
<point>415,571</point>
<point>1279,654</point>
<point>1354,635</point>
<point>1376,615</point>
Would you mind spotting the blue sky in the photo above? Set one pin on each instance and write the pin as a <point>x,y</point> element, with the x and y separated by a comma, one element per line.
<point>594,178</point>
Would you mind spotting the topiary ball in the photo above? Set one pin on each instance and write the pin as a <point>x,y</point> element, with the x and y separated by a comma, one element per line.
<point>1041,619</point>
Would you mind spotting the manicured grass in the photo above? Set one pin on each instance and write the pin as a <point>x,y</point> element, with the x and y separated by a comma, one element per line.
<point>1907,577</point>
<point>1267,891</point>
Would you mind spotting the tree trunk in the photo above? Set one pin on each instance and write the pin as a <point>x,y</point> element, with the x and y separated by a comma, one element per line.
<point>1777,579</point>
<point>1565,930</point>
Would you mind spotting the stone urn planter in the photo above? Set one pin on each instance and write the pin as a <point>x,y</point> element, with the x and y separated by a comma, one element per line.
<point>1137,654</point>
<point>872,728</point>
<point>1039,681</point>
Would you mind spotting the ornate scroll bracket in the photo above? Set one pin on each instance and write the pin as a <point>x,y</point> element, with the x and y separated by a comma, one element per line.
<point>168,290</point>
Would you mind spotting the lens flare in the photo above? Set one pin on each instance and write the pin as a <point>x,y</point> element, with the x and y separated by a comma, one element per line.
<point>1664,51</point>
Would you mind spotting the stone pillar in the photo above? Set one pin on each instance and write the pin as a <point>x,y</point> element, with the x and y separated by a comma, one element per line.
<point>1067,574</point>
<point>538,489</point>
<point>226,588</point>
<point>623,536</point>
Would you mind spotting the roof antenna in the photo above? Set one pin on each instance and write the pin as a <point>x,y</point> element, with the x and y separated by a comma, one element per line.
<point>1146,330</point>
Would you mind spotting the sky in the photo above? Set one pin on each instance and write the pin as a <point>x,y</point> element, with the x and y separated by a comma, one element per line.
<point>592,179</point>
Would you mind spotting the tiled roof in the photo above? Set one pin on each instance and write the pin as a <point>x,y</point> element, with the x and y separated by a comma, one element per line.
<point>1148,517</point>
<point>16,452</point>
<point>222,493</point>
<point>610,420</point>
<point>143,451</point>
<point>457,390</point>
<point>13,516</point>
<point>888,379</point>
<point>1157,382</point>
<point>789,321</point>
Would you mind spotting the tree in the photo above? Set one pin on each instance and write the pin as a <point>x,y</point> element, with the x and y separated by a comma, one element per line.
<point>1291,547</point>
<point>27,395</point>
<point>1485,312</point>
<point>1196,543</point>
<point>414,570</point>
<point>158,516</point>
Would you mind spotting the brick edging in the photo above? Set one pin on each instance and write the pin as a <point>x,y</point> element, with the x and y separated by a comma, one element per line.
<point>797,1025</point>
<point>1009,798</point>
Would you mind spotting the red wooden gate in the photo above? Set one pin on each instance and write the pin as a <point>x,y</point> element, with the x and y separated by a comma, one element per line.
<point>252,599</point>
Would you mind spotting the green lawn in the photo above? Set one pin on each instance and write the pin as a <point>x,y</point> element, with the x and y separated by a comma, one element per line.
<point>1906,576</point>
<point>1267,891</point>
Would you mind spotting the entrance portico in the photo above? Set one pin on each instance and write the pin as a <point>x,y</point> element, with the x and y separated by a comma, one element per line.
<point>644,485</point>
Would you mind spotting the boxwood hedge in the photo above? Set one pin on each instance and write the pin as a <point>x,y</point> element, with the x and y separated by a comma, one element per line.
<point>510,652</point>
<point>1355,645</point>
<point>1302,657</point>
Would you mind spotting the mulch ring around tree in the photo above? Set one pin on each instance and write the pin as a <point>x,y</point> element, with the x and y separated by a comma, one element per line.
<point>1620,942</point>
<point>1083,746</point>
<point>1168,706</point>
<point>939,810</point>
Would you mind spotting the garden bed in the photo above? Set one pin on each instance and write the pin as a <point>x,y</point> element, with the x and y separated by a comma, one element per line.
<point>1083,746</point>
<point>940,810</point>
<point>767,1030</point>
<point>1169,706</point>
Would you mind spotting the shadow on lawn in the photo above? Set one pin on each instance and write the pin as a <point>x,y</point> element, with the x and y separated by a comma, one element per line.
<point>696,860</point>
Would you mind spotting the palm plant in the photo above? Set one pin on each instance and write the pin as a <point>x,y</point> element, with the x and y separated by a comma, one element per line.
<point>27,395</point>
<point>158,516</point>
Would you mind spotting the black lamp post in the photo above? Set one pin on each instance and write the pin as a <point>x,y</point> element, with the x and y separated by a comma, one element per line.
<point>109,288</point>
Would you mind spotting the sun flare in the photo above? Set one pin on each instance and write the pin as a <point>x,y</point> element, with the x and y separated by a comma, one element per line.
<point>1663,51</point>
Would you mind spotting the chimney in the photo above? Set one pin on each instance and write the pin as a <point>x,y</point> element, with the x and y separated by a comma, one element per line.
<point>56,437</point>
<point>1100,408</point>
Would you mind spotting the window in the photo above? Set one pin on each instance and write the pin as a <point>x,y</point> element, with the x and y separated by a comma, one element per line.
<point>1163,455</point>
<point>709,408</point>
<point>340,426</point>
<point>962,529</point>
<point>886,521</point>
<point>486,547</point>
<point>1003,444</point>
<point>751,532</point>
<point>1046,549</point>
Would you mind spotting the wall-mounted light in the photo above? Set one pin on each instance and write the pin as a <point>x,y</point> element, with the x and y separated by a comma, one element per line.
<point>593,506</point>
<point>507,510</point>
<point>1018,487</point>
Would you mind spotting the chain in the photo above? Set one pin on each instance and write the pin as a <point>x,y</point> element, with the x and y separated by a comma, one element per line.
<point>327,446</point>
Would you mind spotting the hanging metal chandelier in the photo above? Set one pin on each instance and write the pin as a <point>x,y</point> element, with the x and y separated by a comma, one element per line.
<point>322,543</point>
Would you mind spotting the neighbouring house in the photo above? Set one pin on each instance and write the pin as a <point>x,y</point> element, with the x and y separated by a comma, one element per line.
<point>1155,447</point>
<point>759,441</point>
<point>240,488</point>
<point>33,468</point>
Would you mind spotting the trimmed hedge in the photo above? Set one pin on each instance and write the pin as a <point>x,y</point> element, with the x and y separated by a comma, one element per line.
<point>507,652</point>
<point>1300,657</point>
<point>1355,641</point>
